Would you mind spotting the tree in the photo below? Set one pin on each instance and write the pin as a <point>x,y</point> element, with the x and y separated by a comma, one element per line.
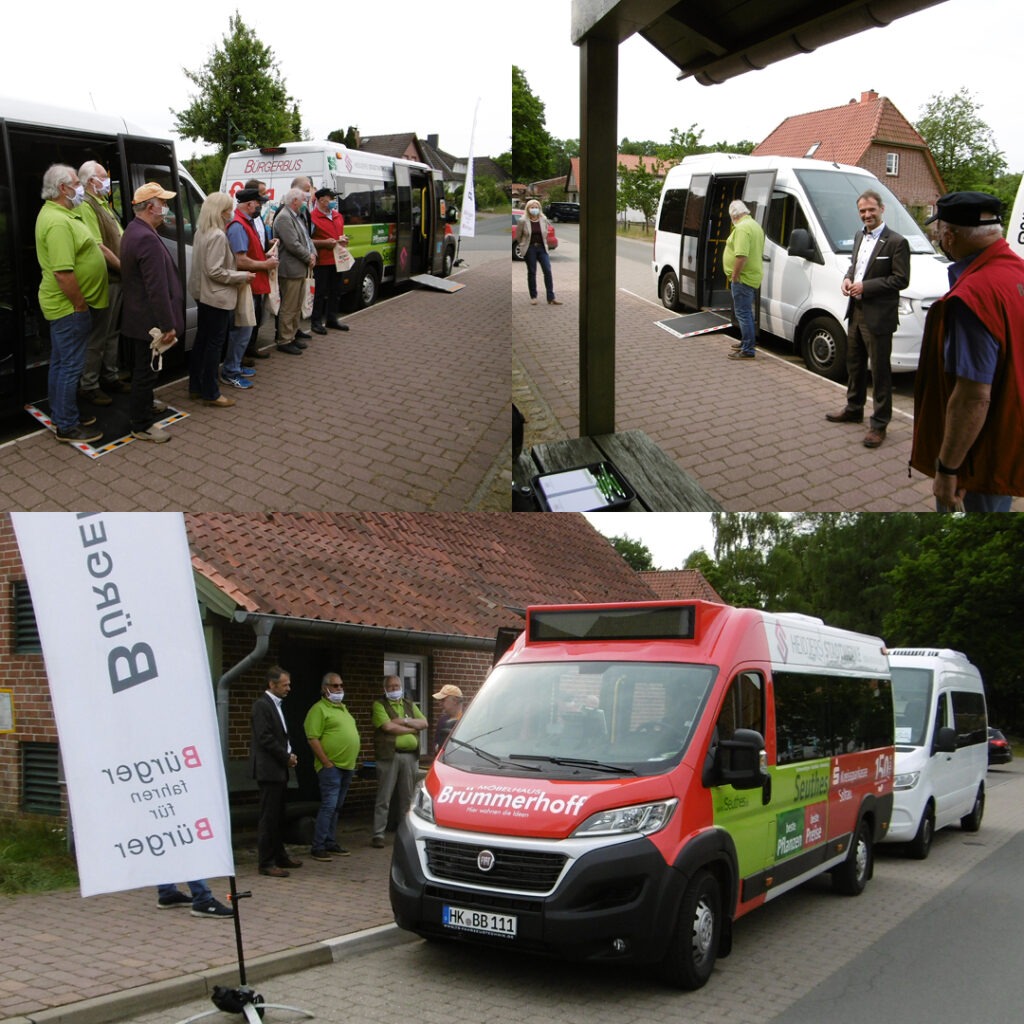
<point>640,189</point>
<point>531,143</point>
<point>636,553</point>
<point>349,137</point>
<point>241,96</point>
<point>961,142</point>
<point>207,170</point>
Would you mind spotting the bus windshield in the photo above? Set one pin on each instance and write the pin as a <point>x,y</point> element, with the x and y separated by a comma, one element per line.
<point>833,194</point>
<point>912,697</point>
<point>595,716</point>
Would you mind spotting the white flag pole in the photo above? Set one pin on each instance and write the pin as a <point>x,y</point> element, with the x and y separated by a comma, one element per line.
<point>467,223</point>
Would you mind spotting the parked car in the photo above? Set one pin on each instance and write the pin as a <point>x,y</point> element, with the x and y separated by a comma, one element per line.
<point>552,240</point>
<point>563,211</point>
<point>999,749</point>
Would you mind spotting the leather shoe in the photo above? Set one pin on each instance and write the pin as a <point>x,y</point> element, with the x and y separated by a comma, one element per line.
<point>298,342</point>
<point>289,863</point>
<point>95,396</point>
<point>303,334</point>
<point>220,402</point>
<point>274,872</point>
<point>874,438</point>
<point>292,349</point>
<point>248,361</point>
<point>337,325</point>
<point>846,416</point>
<point>257,353</point>
<point>318,329</point>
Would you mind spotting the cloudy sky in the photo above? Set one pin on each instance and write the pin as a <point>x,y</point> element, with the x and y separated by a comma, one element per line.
<point>402,67</point>
<point>669,536</point>
<point>957,43</point>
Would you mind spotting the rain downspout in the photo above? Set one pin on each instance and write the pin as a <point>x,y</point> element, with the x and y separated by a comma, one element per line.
<point>262,628</point>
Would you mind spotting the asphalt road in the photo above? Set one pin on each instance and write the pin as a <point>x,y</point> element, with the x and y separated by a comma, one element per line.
<point>933,940</point>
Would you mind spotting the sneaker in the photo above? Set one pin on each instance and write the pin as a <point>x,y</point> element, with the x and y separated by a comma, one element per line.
<point>248,371</point>
<point>211,908</point>
<point>77,434</point>
<point>237,382</point>
<point>740,354</point>
<point>159,407</point>
<point>175,899</point>
<point>95,396</point>
<point>321,855</point>
<point>86,421</point>
<point>377,842</point>
<point>338,851</point>
<point>292,349</point>
<point>154,434</point>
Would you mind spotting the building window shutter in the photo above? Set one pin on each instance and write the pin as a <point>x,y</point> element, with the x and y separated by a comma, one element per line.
<point>26,632</point>
<point>40,779</point>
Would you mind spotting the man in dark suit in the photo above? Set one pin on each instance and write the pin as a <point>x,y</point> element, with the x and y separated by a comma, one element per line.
<point>271,758</point>
<point>879,271</point>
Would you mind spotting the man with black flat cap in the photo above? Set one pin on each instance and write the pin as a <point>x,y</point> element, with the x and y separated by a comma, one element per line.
<point>969,391</point>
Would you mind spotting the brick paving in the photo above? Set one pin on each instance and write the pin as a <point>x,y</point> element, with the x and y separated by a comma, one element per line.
<point>753,434</point>
<point>409,411</point>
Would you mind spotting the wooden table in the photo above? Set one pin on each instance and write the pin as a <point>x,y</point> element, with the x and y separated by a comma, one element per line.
<point>660,485</point>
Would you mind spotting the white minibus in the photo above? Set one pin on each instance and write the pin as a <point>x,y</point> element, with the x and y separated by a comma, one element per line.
<point>941,745</point>
<point>808,209</point>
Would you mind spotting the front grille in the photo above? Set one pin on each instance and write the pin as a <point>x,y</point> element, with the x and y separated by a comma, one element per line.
<point>530,871</point>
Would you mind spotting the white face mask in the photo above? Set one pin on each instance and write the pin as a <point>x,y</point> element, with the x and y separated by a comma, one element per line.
<point>533,213</point>
<point>336,697</point>
<point>104,187</point>
<point>79,195</point>
<point>393,694</point>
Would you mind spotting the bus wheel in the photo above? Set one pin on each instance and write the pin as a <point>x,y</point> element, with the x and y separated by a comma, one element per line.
<point>369,287</point>
<point>447,262</point>
<point>972,822</point>
<point>852,875</point>
<point>823,345</point>
<point>921,844</point>
<point>670,291</point>
<point>692,951</point>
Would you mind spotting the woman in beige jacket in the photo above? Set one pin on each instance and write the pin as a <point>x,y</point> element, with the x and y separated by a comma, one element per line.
<point>215,284</point>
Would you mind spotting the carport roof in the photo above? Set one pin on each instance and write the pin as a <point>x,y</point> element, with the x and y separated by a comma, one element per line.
<point>454,574</point>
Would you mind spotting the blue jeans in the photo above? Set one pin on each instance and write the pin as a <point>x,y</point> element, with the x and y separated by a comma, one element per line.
<point>743,306</point>
<point>211,332</point>
<point>982,503</point>
<point>334,783</point>
<point>69,338</point>
<point>537,254</point>
<point>238,340</point>
<point>199,889</point>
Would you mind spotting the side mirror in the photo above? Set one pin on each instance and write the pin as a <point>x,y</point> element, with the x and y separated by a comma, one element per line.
<point>802,246</point>
<point>945,741</point>
<point>742,761</point>
<point>452,215</point>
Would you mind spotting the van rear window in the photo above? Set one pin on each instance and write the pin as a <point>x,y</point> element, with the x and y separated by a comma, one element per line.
<point>668,622</point>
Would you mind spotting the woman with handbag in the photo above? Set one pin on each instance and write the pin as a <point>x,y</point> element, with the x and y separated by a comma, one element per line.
<point>328,234</point>
<point>297,258</point>
<point>214,283</point>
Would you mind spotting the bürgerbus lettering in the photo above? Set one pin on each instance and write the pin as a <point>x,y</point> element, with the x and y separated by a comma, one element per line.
<point>126,666</point>
<point>158,843</point>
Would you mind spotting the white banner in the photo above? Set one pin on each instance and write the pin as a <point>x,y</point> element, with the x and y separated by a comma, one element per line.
<point>119,623</point>
<point>1015,225</point>
<point>467,223</point>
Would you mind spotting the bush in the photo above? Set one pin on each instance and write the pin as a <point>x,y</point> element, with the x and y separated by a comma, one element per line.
<point>34,857</point>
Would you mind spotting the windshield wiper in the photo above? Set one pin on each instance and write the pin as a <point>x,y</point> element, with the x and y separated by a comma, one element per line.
<point>576,762</point>
<point>498,762</point>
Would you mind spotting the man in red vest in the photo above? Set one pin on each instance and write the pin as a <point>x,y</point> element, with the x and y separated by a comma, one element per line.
<point>969,391</point>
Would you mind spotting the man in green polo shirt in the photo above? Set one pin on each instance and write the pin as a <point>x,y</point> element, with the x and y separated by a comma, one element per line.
<point>744,270</point>
<point>73,283</point>
<point>397,724</point>
<point>334,739</point>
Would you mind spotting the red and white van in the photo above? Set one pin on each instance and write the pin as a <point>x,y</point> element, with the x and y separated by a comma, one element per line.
<point>632,778</point>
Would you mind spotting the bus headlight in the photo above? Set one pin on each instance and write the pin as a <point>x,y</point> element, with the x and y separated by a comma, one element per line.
<point>642,818</point>
<point>906,781</point>
<point>422,805</point>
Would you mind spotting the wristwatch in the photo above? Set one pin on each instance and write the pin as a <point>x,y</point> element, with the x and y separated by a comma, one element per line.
<point>945,470</point>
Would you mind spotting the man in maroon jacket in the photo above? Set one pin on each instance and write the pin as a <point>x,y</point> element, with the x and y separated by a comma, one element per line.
<point>152,297</point>
<point>969,391</point>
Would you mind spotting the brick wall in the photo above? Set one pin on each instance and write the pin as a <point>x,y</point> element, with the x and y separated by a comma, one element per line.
<point>914,185</point>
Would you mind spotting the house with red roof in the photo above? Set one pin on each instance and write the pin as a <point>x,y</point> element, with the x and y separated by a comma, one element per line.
<point>629,161</point>
<point>432,598</point>
<point>869,133</point>
<point>680,585</point>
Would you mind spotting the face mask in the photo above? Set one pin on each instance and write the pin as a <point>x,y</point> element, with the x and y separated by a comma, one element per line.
<point>78,196</point>
<point>335,697</point>
<point>534,213</point>
<point>393,694</point>
<point>104,186</point>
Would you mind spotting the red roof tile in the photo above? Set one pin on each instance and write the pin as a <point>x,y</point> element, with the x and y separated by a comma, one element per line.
<point>681,585</point>
<point>452,573</point>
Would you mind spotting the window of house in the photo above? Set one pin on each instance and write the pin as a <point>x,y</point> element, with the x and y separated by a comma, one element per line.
<point>892,163</point>
<point>412,670</point>
<point>814,149</point>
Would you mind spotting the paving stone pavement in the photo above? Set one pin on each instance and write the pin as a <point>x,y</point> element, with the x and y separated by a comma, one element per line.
<point>408,411</point>
<point>752,433</point>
